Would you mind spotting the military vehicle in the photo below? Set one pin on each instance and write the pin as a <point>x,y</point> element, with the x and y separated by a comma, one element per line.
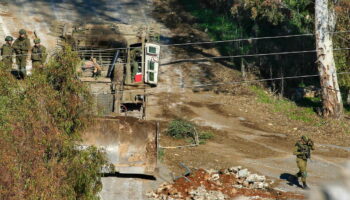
<point>119,63</point>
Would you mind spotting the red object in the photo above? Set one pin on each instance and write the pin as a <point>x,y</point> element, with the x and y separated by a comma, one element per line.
<point>138,78</point>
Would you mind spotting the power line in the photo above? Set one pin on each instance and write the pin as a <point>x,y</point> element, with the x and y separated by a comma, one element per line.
<point>197,43</point>
<point>215,42</point>
<point>247,55</point>
<point>248,39</point>
<point>233,82</point>
<point>228,41</point>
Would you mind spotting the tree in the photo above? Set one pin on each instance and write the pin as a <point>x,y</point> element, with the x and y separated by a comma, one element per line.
<point>325,20</point>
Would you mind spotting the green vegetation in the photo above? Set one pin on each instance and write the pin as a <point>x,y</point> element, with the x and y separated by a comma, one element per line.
<point>286,106</point>
<point>41,119</point>
<point>204,136</point>
<point>181,129</point>
<point>161,154</point>
<point>224,20</point>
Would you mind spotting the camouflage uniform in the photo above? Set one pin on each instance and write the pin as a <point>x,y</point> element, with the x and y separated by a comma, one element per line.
<point>39,55</point>
<point>302,150</point>
<point>22,47</point>
<point>6,52</point>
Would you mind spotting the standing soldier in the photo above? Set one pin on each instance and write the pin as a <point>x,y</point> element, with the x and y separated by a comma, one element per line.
<point>7,52</point>
<point>22,47</point>
<point>302,150</point>
<point>38,55</point>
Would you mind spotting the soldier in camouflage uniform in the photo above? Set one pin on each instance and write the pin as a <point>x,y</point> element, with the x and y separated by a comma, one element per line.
<point>39,55</point>
<point>7,52</point>
<point>302,150</point>
<point>22,47</point>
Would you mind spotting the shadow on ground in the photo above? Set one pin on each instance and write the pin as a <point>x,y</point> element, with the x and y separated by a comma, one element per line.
<point>291,179</point>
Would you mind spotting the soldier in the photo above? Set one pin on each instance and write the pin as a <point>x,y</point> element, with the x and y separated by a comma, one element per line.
<point>302,150</point>
<point>22,47</point>
<point>7,52</point>
<point>39,54</point>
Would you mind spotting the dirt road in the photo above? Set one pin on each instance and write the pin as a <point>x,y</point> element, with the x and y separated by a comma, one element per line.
<point>239,140</point>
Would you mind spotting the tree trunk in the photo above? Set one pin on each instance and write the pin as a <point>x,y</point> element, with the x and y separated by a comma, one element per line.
<point>324,27</point>
<point>348,97</point>
<point>243,70</point>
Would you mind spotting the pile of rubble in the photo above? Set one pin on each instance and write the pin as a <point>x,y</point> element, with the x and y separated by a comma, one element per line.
<point>220,185</point>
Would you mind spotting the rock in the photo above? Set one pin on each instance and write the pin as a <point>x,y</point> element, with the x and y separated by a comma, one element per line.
<point>217,195</point>
<point>238,186</point>
<point>270,124</point>
<point>224,171</point>
<point>234,169</point>
<point>214,177</point>
<point>256,178</point>
<point>233,191</point>
<point>240,181</point>
<point>211,171</point>
<point>245,184</point>
<point>172,191</point>
<point>241,118</point>
<point>244,173</point>
<point>258,185</point>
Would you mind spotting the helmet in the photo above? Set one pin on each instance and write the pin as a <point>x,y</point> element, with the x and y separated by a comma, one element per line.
<point>305,138</point>
<point>22,32</point>
<point>36,41</point>
<point>9,38</point>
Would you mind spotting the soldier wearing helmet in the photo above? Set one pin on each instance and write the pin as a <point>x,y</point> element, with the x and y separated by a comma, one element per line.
<point>39,54</point>
<point>22,47</point>
<point>302,150</point>
<point>7,52</point>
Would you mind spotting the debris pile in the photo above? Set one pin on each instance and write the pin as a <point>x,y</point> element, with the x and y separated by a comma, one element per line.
<point>220,185</point>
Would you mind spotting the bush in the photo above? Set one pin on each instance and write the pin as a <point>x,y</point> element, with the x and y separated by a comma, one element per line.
<point>40,121</point>
<point>180,128</point>
<point>204,136</point>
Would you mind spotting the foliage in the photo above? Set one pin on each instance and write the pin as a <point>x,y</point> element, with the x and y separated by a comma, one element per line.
<point>285,106</point>
<point>180,128</point>
<point>83,173</point>
<point>75,99</point>
<point>161,154</point>
<point>341,40</point>
<point>204,136</point>
<point>226,20</point>
<point>40,122</point>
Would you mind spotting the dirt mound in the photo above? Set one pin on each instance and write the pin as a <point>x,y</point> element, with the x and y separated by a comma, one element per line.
<point>223,184</point>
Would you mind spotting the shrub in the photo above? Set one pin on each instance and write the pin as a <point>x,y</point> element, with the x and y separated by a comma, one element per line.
<point>204,136</point>
<point>180,128</point>
<point>40,121</point>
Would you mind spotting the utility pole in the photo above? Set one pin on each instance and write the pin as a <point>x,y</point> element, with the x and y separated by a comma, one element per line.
<point>325,20</point>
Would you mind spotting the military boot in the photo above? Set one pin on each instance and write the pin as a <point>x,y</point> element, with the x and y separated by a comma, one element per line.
<point>305,187</point>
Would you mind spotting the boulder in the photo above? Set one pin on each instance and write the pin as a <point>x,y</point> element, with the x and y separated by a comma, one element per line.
<point>244,173</point>
<point>234,169</point>
<point>214,177</point>
<point>255,178</point>
<point>258,185</point>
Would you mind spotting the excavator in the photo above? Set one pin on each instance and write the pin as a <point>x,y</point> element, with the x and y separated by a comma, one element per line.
<point>119,64</point>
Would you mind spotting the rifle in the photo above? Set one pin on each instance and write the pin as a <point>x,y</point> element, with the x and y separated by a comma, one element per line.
<point>305,151</point>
